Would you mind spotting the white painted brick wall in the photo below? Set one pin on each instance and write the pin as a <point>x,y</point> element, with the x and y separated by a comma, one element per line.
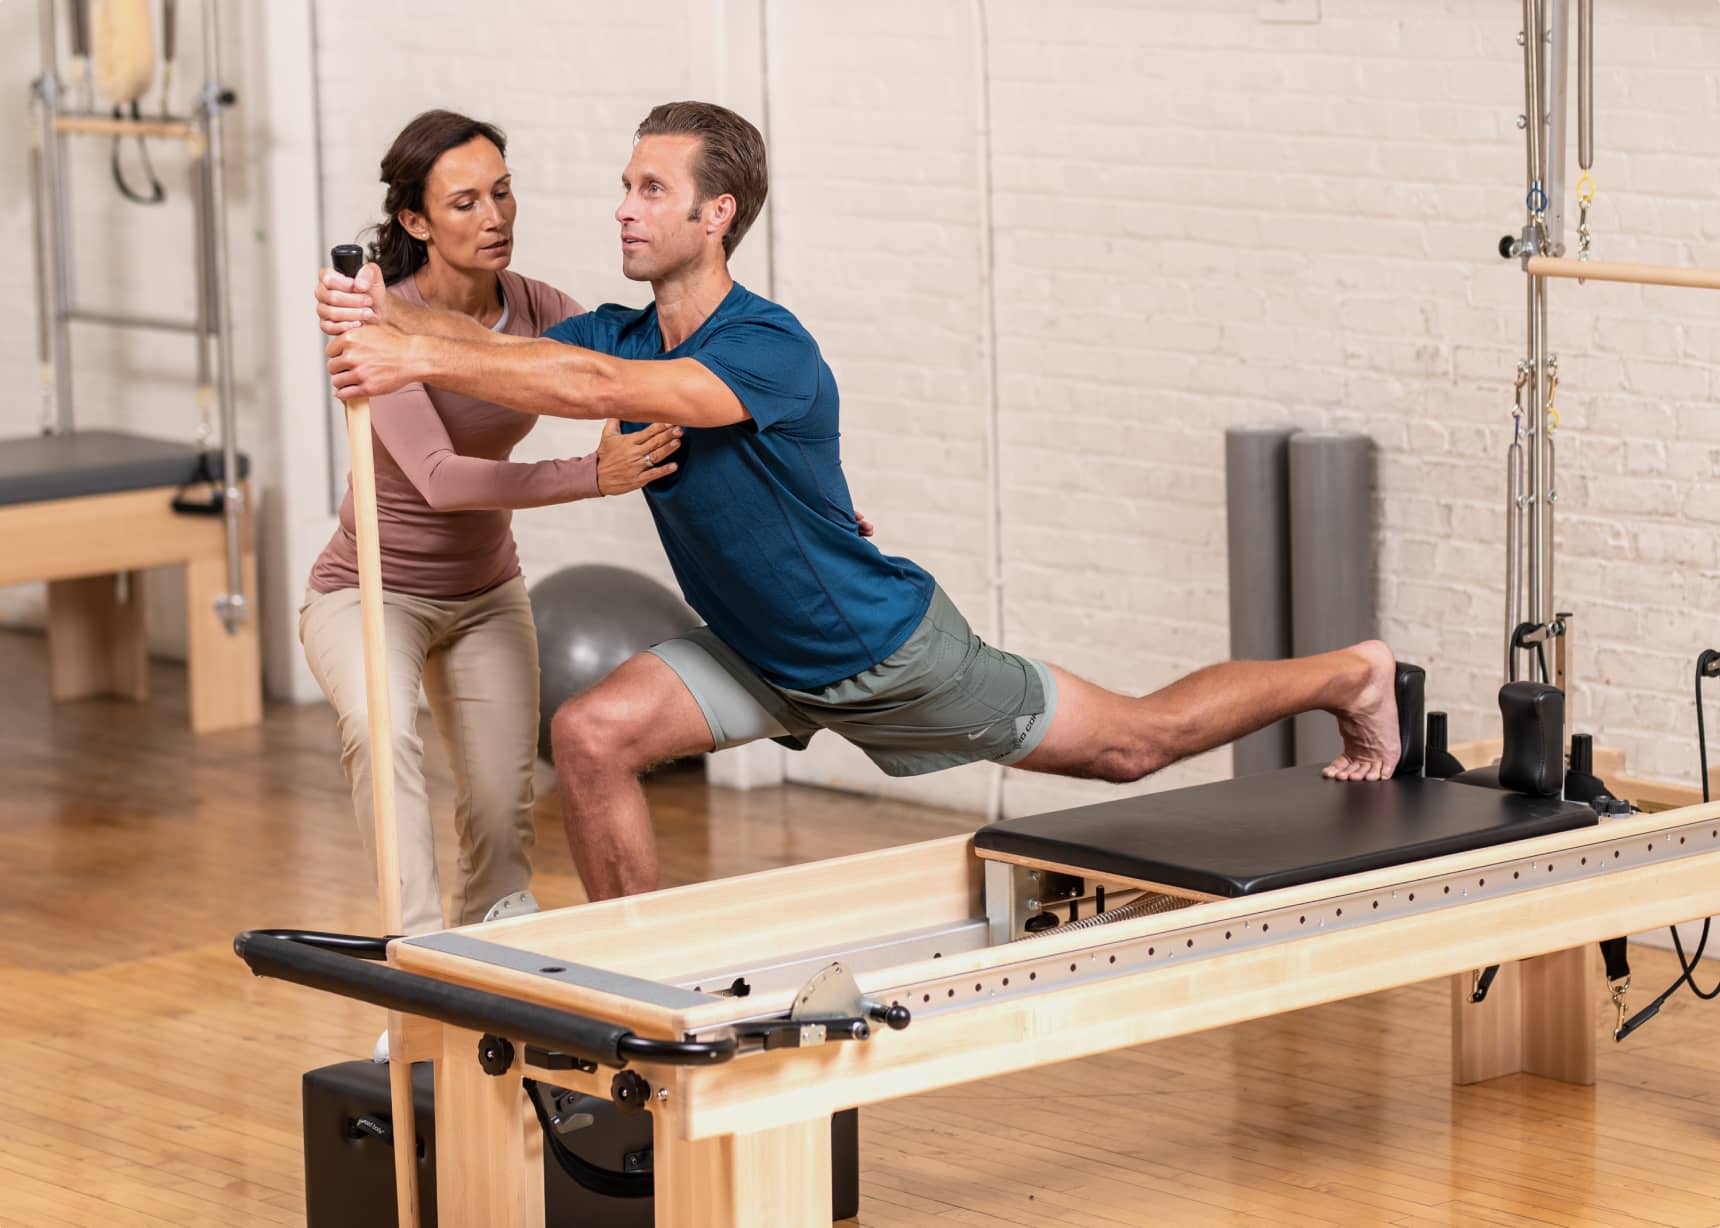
<point>1201,219</point>
<point>1327,197</point>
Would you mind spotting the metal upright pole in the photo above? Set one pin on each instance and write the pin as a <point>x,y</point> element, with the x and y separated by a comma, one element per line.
<point>233,606</point>
<point>1543,454</point>
<point>1558,56</point>
<point>1533,133</point>
<point>1585,83</point>
<point>55,223</point>
<point>1557,74</point>
<point>41,266</point>
<point>1532,104</point>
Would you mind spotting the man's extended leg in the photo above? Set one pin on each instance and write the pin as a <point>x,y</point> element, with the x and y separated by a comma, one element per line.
<point>1099,733</point>
<point>639,716</point>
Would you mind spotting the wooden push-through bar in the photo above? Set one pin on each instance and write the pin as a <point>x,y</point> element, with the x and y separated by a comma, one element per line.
<point>1636,274</point>
<point>107,125</point>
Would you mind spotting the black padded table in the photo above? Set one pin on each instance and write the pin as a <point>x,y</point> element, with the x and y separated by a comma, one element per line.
<point>1276,829</point>
<point>41,467</point>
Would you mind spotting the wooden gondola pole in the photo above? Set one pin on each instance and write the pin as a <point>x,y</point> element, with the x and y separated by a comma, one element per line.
<point>1632,274</point>
<point>348,259</point>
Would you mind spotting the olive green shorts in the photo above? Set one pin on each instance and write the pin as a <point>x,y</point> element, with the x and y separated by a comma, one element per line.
<point>944,698</point>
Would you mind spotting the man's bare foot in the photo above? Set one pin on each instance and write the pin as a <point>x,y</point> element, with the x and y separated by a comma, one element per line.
<point>1368,719</point>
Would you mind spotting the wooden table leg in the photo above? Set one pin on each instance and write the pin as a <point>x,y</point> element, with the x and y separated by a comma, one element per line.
<point>97,642</point>
<point>225,667</point>
<point>773,1178</point>
<point>489,1148</point>
<point>1559,995</point>
<point>1538,1018</point>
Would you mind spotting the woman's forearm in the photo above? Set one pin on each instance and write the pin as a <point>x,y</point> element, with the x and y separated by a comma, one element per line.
<point>455,483</point>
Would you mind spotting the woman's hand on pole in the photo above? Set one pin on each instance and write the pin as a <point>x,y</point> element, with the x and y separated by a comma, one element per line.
<point>344,303</point>
<point>627,462</point>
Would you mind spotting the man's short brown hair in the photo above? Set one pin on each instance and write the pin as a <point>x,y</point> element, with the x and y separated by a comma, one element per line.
<point>731,159</point>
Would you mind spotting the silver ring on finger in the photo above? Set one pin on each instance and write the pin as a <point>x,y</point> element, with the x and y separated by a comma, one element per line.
<point>647,460</point>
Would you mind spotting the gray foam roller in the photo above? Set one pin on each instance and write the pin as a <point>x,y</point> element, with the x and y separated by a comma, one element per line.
<point>1331,561</point>
<point>1257,518</point>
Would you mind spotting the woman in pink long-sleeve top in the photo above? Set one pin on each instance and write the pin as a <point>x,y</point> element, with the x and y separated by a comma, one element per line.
<point>456,610</point>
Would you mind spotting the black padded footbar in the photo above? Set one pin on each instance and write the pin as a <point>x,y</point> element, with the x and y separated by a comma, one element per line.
<point>1277,829</point>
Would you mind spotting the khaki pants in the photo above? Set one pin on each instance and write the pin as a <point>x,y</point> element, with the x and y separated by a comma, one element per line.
<point>478,663</point>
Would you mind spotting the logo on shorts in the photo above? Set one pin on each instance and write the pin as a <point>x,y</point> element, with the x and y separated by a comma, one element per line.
<point>977,734</point>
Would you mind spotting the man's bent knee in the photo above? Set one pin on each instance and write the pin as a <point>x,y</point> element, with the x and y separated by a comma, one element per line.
<point>586,734</point>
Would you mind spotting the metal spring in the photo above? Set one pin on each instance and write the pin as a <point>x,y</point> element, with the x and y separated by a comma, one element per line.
<point>1148,905</point>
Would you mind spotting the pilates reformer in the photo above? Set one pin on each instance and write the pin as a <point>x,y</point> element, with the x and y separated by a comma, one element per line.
<point>88,511</point>
<point>742,1013</point>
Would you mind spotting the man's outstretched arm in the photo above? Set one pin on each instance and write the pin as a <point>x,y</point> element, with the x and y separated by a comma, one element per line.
<point>534,377</point>
<point>400,342</point>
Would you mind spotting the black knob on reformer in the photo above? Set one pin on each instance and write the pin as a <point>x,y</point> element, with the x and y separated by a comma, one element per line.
<point>348,259</point>
<point>1441,763</point>
<point>894,1016</point>
<point>1581,783</point>
<point>1508,246</point>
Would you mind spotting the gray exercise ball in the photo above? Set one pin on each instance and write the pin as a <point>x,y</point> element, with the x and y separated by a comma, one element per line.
<point>590,619</point>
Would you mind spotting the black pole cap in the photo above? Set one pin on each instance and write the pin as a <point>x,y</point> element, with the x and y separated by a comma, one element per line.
<point>347,258</point>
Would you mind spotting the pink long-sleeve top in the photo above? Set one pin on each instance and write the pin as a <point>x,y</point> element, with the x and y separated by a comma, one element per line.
<point>445,488</point>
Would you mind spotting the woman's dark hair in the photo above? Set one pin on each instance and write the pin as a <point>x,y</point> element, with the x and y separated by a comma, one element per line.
<point>405,169</point>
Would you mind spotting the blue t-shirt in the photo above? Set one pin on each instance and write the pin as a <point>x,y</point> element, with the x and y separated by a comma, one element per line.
<point>757,521</point>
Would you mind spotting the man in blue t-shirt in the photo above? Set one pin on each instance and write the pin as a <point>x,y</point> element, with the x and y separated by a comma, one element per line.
<point>808,625</point>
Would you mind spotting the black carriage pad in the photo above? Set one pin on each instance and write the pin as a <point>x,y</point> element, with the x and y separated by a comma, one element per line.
<point>1276,829</point>
<point>71,466</point>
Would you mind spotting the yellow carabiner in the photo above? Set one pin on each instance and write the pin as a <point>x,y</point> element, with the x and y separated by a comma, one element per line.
<point>1586,189</point>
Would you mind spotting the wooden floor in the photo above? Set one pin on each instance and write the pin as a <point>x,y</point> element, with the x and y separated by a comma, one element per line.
<point>147,1079</point>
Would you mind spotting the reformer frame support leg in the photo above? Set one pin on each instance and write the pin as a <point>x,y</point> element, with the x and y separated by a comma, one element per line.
<point>225,667</point>
<point>489,1148</point>
<point>775,1178</point>
<point>97,639</point>
<point>1538,1018</point>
